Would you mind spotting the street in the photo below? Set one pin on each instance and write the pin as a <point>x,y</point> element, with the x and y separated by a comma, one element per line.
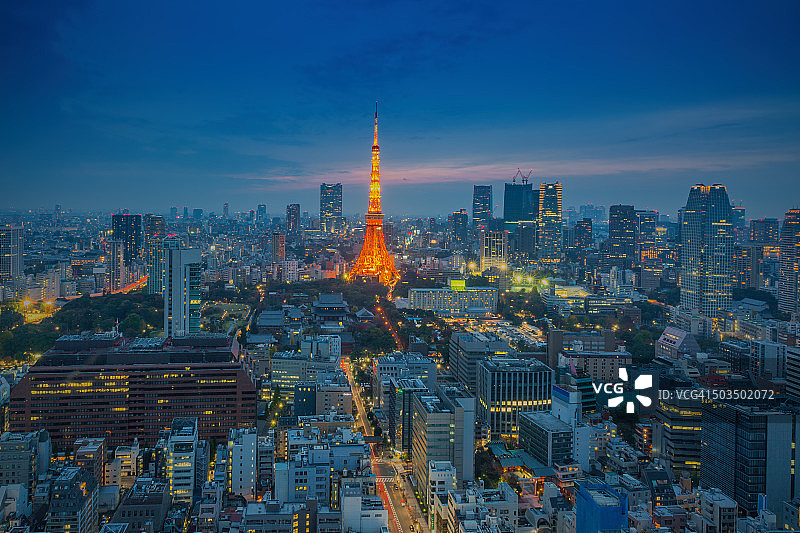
<point>402,518</point>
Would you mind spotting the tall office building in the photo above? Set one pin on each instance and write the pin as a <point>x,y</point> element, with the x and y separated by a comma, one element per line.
<point>173,212</point>
<point>330,207</point>
<point>760,460</point>
<point>764,230</point>
<point>707,251</point>
<point>507,387</point>
<point>278,247</point>
<point>154,232</point>
<point>443,429</point>
<point>647,238</point>
<point>182,269</point>
<point>583,234</point>
<point>225,210</point>
<point>293,219</point>
<point>481,205</point>
<point>620,249</point>
<point>494,247</point>
<point>789,280</point>
<point>261,213</point>
<point>520,202</point>
<point>185,212</point>
<point>550,225</point>
<point>459,229</point>
<point>128,229</point>
<point>12,246</point>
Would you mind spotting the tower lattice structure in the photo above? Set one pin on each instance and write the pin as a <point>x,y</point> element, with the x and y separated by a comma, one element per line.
<point>374,260</point>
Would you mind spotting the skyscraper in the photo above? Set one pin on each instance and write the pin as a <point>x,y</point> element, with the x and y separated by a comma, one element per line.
<point>620,249</point>
<point>583,234</point>
<point>225,210</point>
<point>460,229</point>
<point>116,269</point>
<point>789,280</point>
<point>493,249</point>
<point>549,217</point>
<point>330,207</point>
<point>173,212</point>
<point>707,251</point>
<point>154,232</point>
<point>128,229</point>
<point>261,214</point>
<point>520,202</point>
<point>278,247</point>
<point>764,230</point>
<point>646,234</point>
<point>181,288</point>
<point>12,246</point>
<point>293,219</point>
<point>758,460</point>
<point>481,205</point>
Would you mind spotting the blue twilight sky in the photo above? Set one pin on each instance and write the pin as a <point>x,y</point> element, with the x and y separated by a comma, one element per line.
<point>149,104</point>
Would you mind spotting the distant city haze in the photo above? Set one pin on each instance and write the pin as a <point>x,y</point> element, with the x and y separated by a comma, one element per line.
<point>147,105</point>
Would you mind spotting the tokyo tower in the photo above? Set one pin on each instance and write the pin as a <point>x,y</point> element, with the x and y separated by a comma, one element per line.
<point>374,260</point>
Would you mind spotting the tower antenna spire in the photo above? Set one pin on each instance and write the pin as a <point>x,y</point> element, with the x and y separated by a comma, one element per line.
<point>376,124</point>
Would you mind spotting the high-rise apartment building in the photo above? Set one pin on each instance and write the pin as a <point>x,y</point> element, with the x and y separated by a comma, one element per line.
<point>12,247</point>
<point>293,219</point>
<point>550,226</point>
<point>481,205</point>
<point>128,229</point>
<point>620,249</point>
<point>330,207</point>
<point>182,273</point>
<point>116,269</point>
<point>459,229</point>
<point>707,251</point>
<point>242,460</point>
<point>494,247</point>
<point>748,265</point>
<point>789,277</point>
<point>181,459</point>
<point>154,233</point>
<point>278,247</point>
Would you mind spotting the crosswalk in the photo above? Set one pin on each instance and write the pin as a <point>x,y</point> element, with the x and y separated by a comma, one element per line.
<point>384,479</point>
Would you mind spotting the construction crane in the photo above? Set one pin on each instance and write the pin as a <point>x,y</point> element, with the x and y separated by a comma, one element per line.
<point>523,177</point>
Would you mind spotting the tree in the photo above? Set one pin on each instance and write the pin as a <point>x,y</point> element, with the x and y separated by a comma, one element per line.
<point>9,319</point>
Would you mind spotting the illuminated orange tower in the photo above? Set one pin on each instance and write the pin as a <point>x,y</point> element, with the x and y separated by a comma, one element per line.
<point>374,260</point>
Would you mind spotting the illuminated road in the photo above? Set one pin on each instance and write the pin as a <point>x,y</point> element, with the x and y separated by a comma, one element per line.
<point>383,319</point>
<point>394,500</point>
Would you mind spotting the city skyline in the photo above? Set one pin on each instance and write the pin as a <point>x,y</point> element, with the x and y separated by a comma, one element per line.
<point>619,115</point>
